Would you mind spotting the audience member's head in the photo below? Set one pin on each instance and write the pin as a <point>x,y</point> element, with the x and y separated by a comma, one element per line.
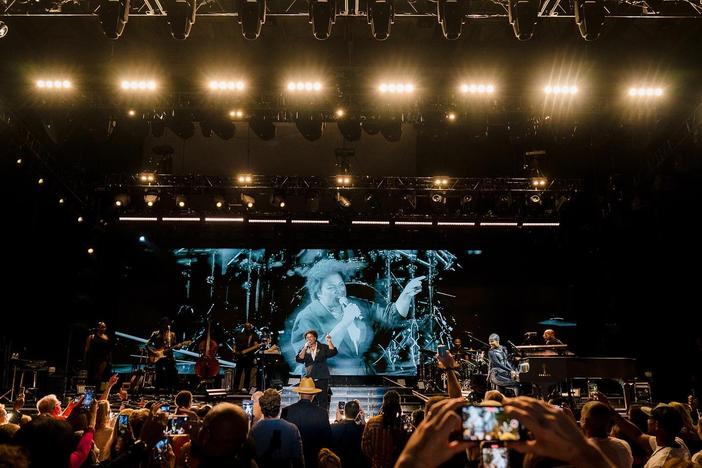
<point>7,432</point>
<point>307,390</point>
<point>12,456</point>
<point>223,433</point>
<point>184,399</point>
<point>257,413</point>
<point>392,410</point>
<point>596,419</point>
<point>49,442</point>
<point>665,423</point>
<point>49,405</point>
<point>351,409</point>
<point>684,414</point>
<point>137,418</point>
<point>680,463</point>
<point>328,459</point>
<point>638,417</point>
<point>270,403</point>
<point>3,414</point>
<point>203,410</point>
<point>417,417</point>
<point>494,395</point>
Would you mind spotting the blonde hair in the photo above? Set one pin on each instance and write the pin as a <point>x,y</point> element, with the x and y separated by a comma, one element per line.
<point>328,459</point>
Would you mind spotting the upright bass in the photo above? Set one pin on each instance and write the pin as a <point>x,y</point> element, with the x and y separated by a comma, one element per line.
<point>207,365</point>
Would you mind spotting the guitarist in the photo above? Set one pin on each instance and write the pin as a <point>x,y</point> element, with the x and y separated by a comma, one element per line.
<point>246,343</point>
<point>166,372</point>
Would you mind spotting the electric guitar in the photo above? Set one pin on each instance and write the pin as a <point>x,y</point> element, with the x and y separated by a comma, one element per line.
<point>156,354</point>
<point>245,351</point>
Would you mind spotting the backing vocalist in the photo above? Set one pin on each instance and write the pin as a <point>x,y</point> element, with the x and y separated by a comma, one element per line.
<point>314,356</point>
<point>350,322</point>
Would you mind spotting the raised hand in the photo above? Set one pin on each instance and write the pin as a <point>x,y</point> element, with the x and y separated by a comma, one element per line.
<point>414,286</point>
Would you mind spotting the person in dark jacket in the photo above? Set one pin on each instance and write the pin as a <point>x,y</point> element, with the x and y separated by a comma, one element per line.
<point>501,373</point>
<point>312,421</point>
<point>347,435</point>
<point>314,356</point>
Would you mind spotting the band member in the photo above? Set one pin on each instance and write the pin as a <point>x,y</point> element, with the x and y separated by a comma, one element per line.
<point>98,356</point>
<point>246,343</point>
<point>314,356</point>
<point>550,338</point>
<point>457,350</point>
<point>162,340</point>
<point>501,373</point>
<point>351,322</point>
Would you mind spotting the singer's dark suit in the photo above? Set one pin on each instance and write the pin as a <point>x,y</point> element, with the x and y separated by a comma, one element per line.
<point>318,369</point>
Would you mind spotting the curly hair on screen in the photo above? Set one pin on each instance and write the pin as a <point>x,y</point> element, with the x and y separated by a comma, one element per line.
<point>324,268</point>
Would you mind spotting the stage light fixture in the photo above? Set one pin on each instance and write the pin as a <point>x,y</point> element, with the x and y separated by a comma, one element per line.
<point>396,88</point>
<point>19,161</point>
<point>91,251</point>
<point>350,128</point>
<point>139,86</point>
<point>278,201</point>
<point>646,92</point>
<point>262,126</point>
<point>440,182</point>
<point>392,130</point>
<point>451,116</point>
<point>223,86</point>
<point>322,14</point>
<point>311,126</point>
<point>539,182</point>
<point>80,219</point>
<point>244,179</point>
<point>452,16</point>
<point>251,15</point>
<point>181,17</point>
<point>477,88</point>
<point>343,180</point>
<point>61,201</point>
<point>523,15</point>
<point>561,90</point>
<point>181,201</point>
<point>147,177</point>
<point>248,200</point>
<point>304,87</point>
<point>113,16</point>
<point>590,18</point>
<point>40,181</point>
<point>150,199</point>
<point>340,113</point>
<point>381,16</point>
<point>4,29</point>
<point>121,200</point>
<point>535,199</point>
<point>54,85</point>
<point>467,202</point>
<point>142,239</point>
<point>438,198</point>
<point>343,201</point>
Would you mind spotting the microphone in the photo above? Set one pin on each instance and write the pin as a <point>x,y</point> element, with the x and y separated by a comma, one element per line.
<point>344,301</point>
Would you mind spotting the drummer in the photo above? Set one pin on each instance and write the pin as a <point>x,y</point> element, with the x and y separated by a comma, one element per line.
<point>458,351</point>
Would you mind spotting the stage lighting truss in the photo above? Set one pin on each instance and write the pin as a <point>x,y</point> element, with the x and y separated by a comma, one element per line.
<point>251,15</point>
<point>451,15</point>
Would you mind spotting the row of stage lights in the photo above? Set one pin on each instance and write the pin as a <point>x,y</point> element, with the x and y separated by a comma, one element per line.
<point>316,87</point>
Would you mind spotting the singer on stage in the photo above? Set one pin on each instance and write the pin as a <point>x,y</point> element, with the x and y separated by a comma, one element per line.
<point>350,322</point>
<point>314,356</point>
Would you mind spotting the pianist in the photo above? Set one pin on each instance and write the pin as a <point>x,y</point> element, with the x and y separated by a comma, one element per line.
<point>550,337</point>
<point>501,373</point>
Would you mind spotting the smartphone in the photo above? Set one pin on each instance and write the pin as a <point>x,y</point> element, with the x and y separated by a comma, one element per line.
<point>88,397</point>
<point>495,456</point>
<point>126,385</point>
<point>342,405</point>
<point>166,408</point>
<point>442,350</point>
<point>489,423</point>
<point>123,424</point>
<point>161,449</point>
<point>248,408</point>
<point>591,389</point>
<point>176,425</point>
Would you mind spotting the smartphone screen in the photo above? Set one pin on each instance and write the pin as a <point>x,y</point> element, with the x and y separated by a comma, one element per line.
<point>122,423</point>
<point>495,456</point>
<point>88,397</point>
<point>442,350</point>
<point>248,408</point>
<point>489,423</point>
<point>161,449</point>
<point>176,425</point>
<point>165,408</point>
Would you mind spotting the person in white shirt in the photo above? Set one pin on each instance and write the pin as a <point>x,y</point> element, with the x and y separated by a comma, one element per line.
<point>596,422</point>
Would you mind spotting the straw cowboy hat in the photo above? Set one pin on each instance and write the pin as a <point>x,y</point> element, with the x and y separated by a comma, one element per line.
<point>306,386</point>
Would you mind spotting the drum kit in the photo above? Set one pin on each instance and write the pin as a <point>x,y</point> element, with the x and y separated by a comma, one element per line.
<point>472,371</point>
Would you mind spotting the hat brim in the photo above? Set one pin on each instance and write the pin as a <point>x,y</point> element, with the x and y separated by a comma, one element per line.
<point>309,391</point>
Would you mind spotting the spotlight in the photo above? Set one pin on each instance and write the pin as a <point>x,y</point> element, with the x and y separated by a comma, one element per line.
<point>150,199</point>
<point>522,16</point>
<point>91,251</point>
<point>350,129</point>
<point>142,239</point>
<point>53,85</point>
<point>40,181</point>
<point>140,86</point>
<point>535,199</point>
<point>278,201</point>
<point>113,16</point>
<point>61,201</point>
<point>564,90</point>
<point>440,182</point>
<point>219,202</point>
<point>477,88</point>
<point>538,182</point>
<point>322,16</point>
<point>438,198</point>
<point>244,178</point>
<point>147,177</point>
<point>392,131</point>
<point>396,88</point>
<point>311,126</point>
<point>342,200</point>
<point>451,116</point>
<point>451,15</point>
<point>590,18</point>
<point>248,200</point>
<point>646,92</point>
<point>467,202</point>
<point>226,86</point>
<point>131,113</point>
<point>251,17</point>
<point>304,87</point>
<point>181,201</point>
<point>340,113</point>
<point>19,161</point>
<point>80,219</point>
<point>4,29</point>
<point>381,16</point>
<point>181,17</point>
<point>262,126</point>
<point>343,180</point>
